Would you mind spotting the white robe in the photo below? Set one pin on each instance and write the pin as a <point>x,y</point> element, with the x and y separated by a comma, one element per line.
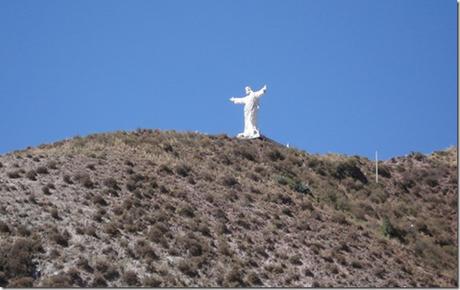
<point>251,107</point>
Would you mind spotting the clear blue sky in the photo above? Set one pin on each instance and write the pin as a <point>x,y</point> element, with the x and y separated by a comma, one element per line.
<point>343,76</point>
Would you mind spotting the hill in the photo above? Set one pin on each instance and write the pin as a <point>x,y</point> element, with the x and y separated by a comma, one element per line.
<point>152,208</point>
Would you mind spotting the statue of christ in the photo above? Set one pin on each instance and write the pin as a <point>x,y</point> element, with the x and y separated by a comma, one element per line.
<point>251,106</point>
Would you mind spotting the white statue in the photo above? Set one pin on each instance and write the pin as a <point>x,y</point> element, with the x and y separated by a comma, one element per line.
<point>251,106</point>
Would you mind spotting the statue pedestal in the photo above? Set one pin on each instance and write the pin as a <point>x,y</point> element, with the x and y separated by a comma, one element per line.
<point>242,136</point>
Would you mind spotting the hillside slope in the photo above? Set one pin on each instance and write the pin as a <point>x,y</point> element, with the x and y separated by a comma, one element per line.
<point>158,208</point>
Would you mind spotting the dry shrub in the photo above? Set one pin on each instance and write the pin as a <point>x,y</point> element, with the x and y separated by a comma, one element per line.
<point>83,264</point>
<point>339,258</point>
<point>98,280</point>
<point>155,234</point>
<point>349,168</point>
<point>331,268</point>
<point>111,273</point>
<point>61,238</point>
<point>21,282</point>
<point>111,229</point>
<point>221,228</point>
<point>356,264</point>
<point>111,183</point>
<point>151,282</point>
<point>252,279</point>
<point>23,230</point>
<point>91,166</point>
<point>47,189</point>
<point>275,155</point>
<point>229,181</point>
<point>246,152</point>
<point>144,250</point>
<point>131,279</point>
<point>260,250</point>
<point>4,228</point>
<point>183,170</point>
<point>84,179</point>
<point>163,168</point>
<point>378,196</point>
<point>17,259</point>
<point>308,273</point>
<point>42,170</point>
<point>186,210</point>
<point>234,278</point>
<point>306,205</point>
<point>52,164</point>
<point>54,213</point>
<point>295,260</point>
<point>98,199</point>
<point>14,174</point>
<point>32,199</point>
<point>134,182</point>
<point>57,281</point>
<point>67,179</point>
<point>384,171</point>
<point>101,265</point>
<point>129,163</point>
<point>75,277</point>
<point>203,228</point>
<point>224,247</point>
<point>91,231</point>
<point>31,174</point>
<point>287,211</point>
<point>340,218</point>
<point>187,267</point>
<point>117,210</point>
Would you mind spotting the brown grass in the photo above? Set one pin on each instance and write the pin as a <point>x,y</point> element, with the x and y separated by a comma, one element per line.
<point>182,209</point>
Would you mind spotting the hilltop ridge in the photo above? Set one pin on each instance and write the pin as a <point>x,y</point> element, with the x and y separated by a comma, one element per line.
<point>161,208</point>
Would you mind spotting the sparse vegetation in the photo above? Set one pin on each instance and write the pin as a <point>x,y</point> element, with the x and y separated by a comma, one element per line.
<point>4,228</point>
<point>14,174</point>
<point>52,165</point>
<point>17,260</point>
<point>42,170</point>
<point>84,179</point>
<point>131,279</point>
<point>67,179</point>
<point>151,281</point>
<point>183,170</point>
<point>186,267</point>
<point>91,166</point>
<point>229,181</point>
<point>57,281</point>
<point>275,155</point>
<point>179,209</point>
<point>54,213</point>
<point>98,199</point>
<point>98,280</point>
<point>349,168</point>
<point>61,238</point>
<point>31,174</point>
<point>296,260</point>
<point>21,282</point>
<point>46,190</point>
<point>111,183</point>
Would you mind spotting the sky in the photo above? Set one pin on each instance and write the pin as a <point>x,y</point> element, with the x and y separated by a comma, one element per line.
<point>343,76</point>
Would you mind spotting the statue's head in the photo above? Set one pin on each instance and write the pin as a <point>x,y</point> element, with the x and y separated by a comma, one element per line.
<point>248,89</point>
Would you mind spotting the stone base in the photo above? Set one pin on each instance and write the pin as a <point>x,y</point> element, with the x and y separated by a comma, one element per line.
<point>242,136</point>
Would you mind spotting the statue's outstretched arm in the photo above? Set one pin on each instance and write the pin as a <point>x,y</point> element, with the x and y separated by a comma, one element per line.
<point>238,100</point>
<point>260,92</point>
